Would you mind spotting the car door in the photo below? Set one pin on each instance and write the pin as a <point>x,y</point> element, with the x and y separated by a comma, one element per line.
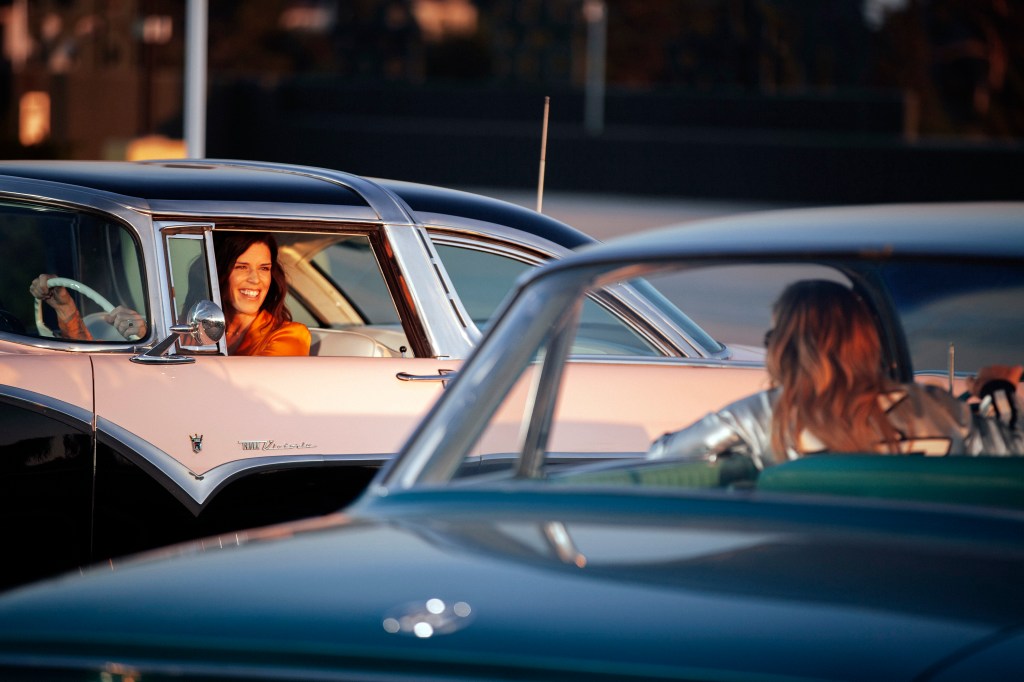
<point>203,421</point>
<point>46,459</point>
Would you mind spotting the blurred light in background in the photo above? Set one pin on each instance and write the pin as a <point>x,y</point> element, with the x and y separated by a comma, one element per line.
<point>155,147</point>
<point>157,29</point>
<point>34,118</point>
<point>439,19</point>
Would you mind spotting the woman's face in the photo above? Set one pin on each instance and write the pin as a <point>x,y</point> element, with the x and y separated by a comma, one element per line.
<point>249,280</point>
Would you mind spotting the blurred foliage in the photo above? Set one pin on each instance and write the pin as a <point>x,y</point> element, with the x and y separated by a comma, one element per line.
<point>962,59</point>
<point>958,63</point>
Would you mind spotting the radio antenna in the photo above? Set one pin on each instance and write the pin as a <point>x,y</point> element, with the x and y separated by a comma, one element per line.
<point>952,366</point>
<point>543,155</point>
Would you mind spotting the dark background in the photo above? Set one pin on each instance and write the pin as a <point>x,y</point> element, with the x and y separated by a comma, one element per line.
<point>825,101</point>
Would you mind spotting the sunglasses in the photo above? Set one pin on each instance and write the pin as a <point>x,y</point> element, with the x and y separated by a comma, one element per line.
<point>768,337</point>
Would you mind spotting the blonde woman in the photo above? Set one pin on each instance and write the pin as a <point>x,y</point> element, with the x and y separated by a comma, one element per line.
<point>830,393</point>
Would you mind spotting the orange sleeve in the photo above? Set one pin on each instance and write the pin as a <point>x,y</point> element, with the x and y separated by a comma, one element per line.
<point>288,339</point>
<point>74,327</point>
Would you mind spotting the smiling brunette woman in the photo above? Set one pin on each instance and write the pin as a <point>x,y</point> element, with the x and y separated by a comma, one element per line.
<point>253,289</point>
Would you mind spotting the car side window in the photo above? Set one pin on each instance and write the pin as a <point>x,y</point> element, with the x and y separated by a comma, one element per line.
<point>602,333</point>
<point>482,279</point>
<point>337,289</point>
<point>189,280</point>
<point>95,251</point>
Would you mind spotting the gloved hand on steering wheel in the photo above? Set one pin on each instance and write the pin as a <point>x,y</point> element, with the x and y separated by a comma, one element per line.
<point>129,323</point>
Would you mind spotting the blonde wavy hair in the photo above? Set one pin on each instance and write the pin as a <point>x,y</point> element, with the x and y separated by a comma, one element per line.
<point>825,356</point>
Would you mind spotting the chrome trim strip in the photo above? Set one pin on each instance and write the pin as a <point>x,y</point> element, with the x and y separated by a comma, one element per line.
<point>421,266</point>
<point>528,255</point>
<point>199,210</point>
<point>442,227</point>
<point>458,309</point>
<point>563,457</point>
<point>69,346</point>
<point>46,405</point>
<point>685,361</point>
<point>195,490</point>
<point>71,196</point>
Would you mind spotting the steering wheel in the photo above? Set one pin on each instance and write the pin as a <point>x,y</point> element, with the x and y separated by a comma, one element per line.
<point>86,291</point>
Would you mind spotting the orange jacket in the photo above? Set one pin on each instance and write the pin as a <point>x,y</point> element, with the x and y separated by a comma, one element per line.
<point>291,338</point>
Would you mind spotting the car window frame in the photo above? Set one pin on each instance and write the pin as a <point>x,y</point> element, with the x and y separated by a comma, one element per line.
<point>123,220</point>
<point>624,302</point>
<point>390,270</point>
<point>202,232</point>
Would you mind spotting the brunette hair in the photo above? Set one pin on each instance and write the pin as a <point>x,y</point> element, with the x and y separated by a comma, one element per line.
<point>228,247</point>
<point>825,356</point>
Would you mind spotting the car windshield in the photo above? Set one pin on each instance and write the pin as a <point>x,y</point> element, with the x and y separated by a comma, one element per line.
<point>537,412</point>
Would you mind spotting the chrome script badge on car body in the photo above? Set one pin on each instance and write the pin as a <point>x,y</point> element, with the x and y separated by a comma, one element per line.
<point>273,445</point>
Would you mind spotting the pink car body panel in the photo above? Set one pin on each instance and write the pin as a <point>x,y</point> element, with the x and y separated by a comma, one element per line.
<point>59,376</point>
<point>251,407</point>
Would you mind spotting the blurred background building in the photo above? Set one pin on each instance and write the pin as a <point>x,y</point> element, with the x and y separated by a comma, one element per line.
<point>806,100</point>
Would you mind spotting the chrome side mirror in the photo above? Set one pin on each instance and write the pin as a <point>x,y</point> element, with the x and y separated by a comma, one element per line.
<point>204,326</point>
<point>205,323</point>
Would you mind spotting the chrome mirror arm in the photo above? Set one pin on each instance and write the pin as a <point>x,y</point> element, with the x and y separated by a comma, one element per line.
<point>205,325</point>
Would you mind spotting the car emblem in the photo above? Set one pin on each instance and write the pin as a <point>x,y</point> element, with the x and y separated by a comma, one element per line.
<point>428,619</point>
<point>274,445</point>
<point>197,442</point>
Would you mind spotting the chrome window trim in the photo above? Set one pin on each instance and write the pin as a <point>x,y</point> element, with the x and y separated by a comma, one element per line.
<point>631,307</point>
<point>131,218</point>
<point>166,230</point>
<point>441,313</point>
<point>637,307</point>
<point>172,228</point>
<point>486,244</point>
<point>58,345</point>
<point>71,196</point>
<point>476,231</point>
<point>197,210</point>
<point>493,239</point>
<point>198,231</point>
<point>482,244</point>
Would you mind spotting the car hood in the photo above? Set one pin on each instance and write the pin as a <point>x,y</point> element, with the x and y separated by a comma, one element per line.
<point>530,585</point>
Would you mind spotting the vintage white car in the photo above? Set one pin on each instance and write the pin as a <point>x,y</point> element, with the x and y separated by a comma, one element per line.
<point>115,445</point>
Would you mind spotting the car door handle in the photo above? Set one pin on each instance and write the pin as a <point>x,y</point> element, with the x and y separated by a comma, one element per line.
<point>443,375</point>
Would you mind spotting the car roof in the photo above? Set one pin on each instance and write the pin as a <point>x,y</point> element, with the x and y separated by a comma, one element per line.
<point>188,181</point>
<point>983,230</point>
<point>433,199</point>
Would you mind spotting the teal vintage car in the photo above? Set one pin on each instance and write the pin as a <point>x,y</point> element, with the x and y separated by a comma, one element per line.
<point>489,550</point>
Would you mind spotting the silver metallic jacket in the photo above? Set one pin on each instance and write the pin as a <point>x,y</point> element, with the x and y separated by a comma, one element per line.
<point>932,421</point>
